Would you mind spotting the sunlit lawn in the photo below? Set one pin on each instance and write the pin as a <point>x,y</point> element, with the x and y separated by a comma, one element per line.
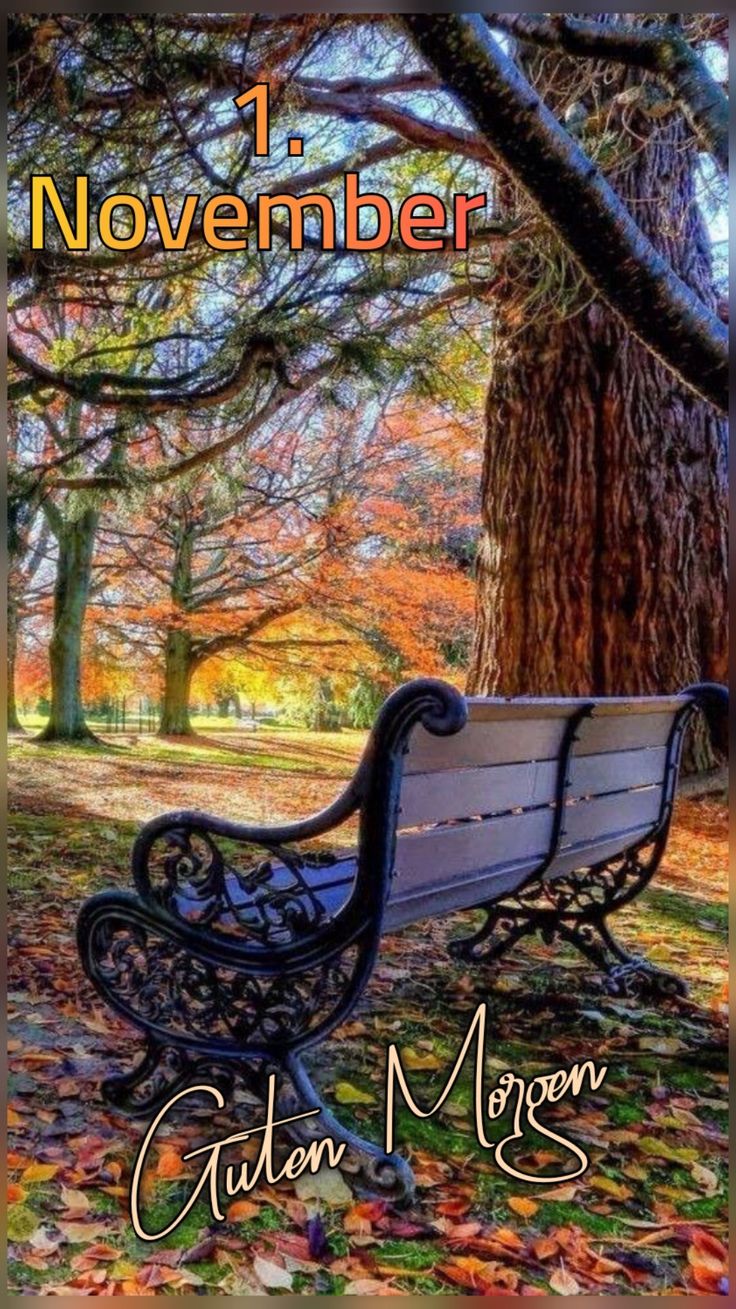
<point>239,773</point>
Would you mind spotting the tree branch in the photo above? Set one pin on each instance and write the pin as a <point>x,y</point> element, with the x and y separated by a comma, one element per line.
<point>204,649</point>
<point>662,51</point>
<point>66,263</point>
<point>144,392</point>
<point>587,215</point>
<point>279,398</point>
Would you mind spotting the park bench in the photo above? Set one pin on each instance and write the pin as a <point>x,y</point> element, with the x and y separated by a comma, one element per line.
<point>239,950</point>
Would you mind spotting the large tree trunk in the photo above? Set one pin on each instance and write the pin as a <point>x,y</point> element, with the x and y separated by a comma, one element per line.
<point>13,724</point>
<point>178,671</point>
<point>76,541</point>
<point>179,662</point>
<point>602,568</point>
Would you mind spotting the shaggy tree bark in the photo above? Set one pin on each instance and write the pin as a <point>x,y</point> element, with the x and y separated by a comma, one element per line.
<point>602,567</point>
<point>13,721</point>
<point>76,539</point>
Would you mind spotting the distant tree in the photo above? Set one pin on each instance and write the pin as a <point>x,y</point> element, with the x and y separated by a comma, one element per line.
<point>364,700</point>
<point>322,711</point>
<point>27,545</point>
<point>110,351</point>
<point>312,540</point>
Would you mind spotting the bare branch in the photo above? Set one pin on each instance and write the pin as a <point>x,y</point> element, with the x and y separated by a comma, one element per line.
<point>144,393</point>
<point>592,222</point>
<point>662,51</point>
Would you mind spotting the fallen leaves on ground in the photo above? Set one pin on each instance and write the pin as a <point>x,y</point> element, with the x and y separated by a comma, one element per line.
<point>647,1218</point>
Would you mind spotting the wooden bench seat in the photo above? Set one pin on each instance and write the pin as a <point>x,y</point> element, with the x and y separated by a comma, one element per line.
<point>246,945</point>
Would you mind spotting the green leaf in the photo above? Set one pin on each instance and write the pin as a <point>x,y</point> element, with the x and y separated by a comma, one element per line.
<point>22,1222</point>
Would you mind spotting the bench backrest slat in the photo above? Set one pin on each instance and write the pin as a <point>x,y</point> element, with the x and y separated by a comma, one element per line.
<point>480,805</point>
<point>464,792</point>
<point>536,733</point>
<point>590,820</point>
<point>407,906</point>
<point>436,854</point>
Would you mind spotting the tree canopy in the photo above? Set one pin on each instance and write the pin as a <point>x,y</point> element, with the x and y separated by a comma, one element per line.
<point>134,372</point>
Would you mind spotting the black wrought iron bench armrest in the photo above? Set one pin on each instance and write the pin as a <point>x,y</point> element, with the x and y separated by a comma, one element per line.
<point>259,898</point>
<point>179,868</point>
<point>180,981</point>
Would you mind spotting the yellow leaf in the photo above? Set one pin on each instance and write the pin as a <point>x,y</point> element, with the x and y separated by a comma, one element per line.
<point>75,1202</point>
<point>636,1172</point>
<point>677,1193</point>
<point>82,1233</point>
<point>565,1191</point>
<point>521,1205</point>
<point>470,1263</point>
<point>121,1270</point>
<point>680,1154</point>
<point>606,1184</point>
<point>345,1093</point>
<point>416,1062</point>
<point>564,1283</point>
<point>706,1179</point>
<point>39,1172</point>
<point>327,1185</point>
<point>623,1136</point>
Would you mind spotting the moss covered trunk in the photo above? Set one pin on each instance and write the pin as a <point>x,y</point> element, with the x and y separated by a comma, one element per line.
<point>13,721</point>
<point>178,670</point>
<point>179,662</point>
<point>76,540</point>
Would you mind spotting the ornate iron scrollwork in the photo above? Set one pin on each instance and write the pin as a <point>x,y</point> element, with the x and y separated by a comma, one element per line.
<point>269,901</point>
<point>178,995</point>
<point>574,908</point>
<point>235,963</point>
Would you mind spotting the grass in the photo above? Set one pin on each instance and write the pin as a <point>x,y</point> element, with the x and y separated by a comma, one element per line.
<point>34,722</point>
<point>282,748</point>
<point>39,844</point>
<point>682,912</point>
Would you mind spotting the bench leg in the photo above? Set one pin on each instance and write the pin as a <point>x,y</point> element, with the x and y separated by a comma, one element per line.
<point>372,1171</point>
<point>625,973</point>
<point>162,1072</point>
<point>554,912</point>
<point>504,926</point>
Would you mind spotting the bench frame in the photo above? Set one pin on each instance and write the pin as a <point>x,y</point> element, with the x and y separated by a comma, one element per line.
<point>250,1003</point>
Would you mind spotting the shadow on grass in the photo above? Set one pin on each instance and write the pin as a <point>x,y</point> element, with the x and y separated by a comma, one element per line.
<point>688,910</point>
